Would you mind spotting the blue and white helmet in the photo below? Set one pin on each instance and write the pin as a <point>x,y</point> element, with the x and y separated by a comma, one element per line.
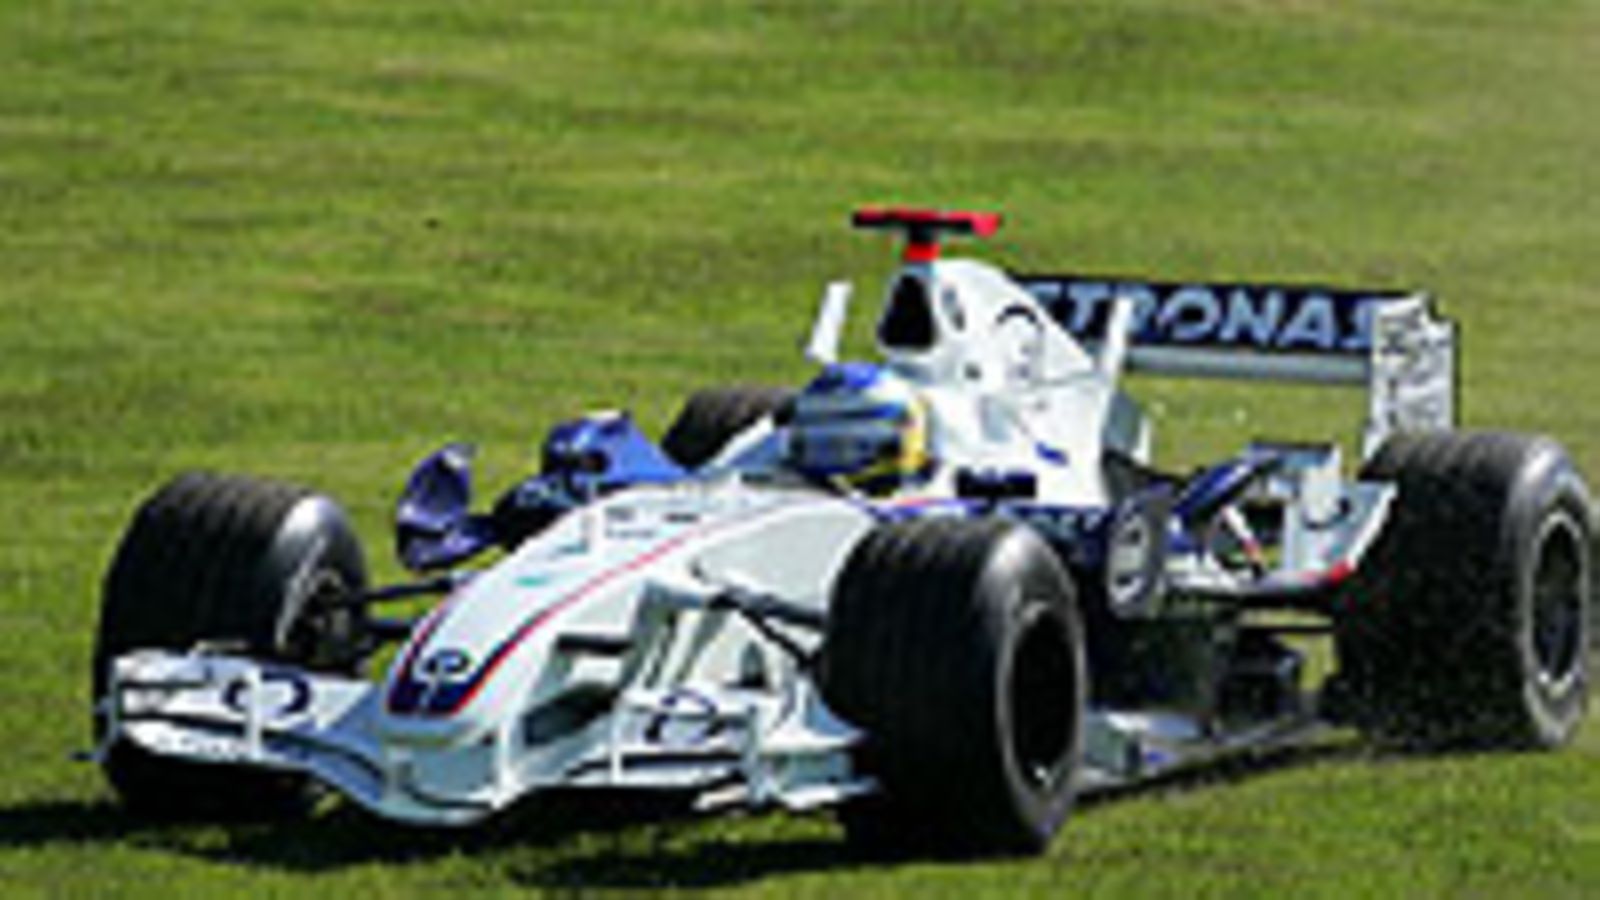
<point>861,425</point>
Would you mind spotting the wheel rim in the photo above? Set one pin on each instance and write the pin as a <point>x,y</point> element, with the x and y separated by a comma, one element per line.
<point>1558,600</point>
<point>1042,706</point>
<point>324,629</point>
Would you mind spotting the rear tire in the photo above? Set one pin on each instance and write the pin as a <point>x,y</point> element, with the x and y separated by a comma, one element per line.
<point>247,565</point>
<point>956,646</point>
<point>711,417</point>
<point>1468,624</point>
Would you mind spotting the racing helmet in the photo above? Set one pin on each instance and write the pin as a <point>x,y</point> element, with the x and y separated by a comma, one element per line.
<point>860,425</point>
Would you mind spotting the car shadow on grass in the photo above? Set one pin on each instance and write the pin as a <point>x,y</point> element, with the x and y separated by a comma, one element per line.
<point>565,841</point>
<point>705,859</point>
<point>562,841</point>
<point>65,822</point>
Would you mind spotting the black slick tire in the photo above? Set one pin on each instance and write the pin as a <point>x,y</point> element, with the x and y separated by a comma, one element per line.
<point>1467,625</point>
<point>248,566</point>
<point>956,646</point>
<point>711,417</point>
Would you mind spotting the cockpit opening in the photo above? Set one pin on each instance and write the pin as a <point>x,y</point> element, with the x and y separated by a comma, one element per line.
<point>908,322</point>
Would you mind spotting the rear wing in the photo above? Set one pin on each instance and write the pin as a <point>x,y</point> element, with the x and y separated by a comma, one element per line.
<point>1390,342</point>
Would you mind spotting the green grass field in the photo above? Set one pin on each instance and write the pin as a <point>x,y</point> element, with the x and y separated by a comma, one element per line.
<point>313,241</point>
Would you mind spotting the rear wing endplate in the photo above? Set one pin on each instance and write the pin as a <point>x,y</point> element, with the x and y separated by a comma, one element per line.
<point>1390,342</point>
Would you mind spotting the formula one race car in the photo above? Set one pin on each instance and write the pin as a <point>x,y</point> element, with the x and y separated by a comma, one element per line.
<point>945,592</point>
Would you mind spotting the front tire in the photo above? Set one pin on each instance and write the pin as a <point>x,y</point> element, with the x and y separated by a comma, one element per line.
<point>251,566</point>
<point>956,645</point>
<point>1468,625</point>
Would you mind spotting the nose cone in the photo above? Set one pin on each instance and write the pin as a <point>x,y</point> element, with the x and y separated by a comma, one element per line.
<point>453,674</point>
<point>471,664</point>
<point>427,689</point>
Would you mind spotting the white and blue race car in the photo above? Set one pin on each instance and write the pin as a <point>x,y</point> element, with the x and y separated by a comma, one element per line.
<point>945,592</point>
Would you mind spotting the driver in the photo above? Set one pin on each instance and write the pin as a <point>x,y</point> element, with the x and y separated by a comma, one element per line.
<point>860,427</point>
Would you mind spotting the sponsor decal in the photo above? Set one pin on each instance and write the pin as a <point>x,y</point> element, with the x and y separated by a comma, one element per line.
<point>283,693</point>
<point>542,579</point>
<point>687,718</point>
<point>1413,371</point>
<point>436,682</point>
<point>1067,523</point>
<point>1077,532</point>
<point>1280,319</point>
<point>447,664</point>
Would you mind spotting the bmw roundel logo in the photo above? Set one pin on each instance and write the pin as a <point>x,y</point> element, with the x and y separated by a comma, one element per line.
<point>279,694</point>
<point>448,664</point>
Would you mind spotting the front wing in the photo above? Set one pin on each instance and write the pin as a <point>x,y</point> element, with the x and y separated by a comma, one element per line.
<point>722,745</point>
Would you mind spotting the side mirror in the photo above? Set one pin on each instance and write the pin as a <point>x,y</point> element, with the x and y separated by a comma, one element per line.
<point>434,524</point>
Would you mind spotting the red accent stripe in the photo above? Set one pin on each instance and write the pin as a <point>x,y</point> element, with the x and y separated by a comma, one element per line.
<point>920,253</point>
<point>1336,574</point>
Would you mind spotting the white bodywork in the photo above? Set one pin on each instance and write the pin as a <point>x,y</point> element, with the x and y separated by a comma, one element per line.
<point>1003,382</point>
<point>611,607</point>
<point>602,653</point>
